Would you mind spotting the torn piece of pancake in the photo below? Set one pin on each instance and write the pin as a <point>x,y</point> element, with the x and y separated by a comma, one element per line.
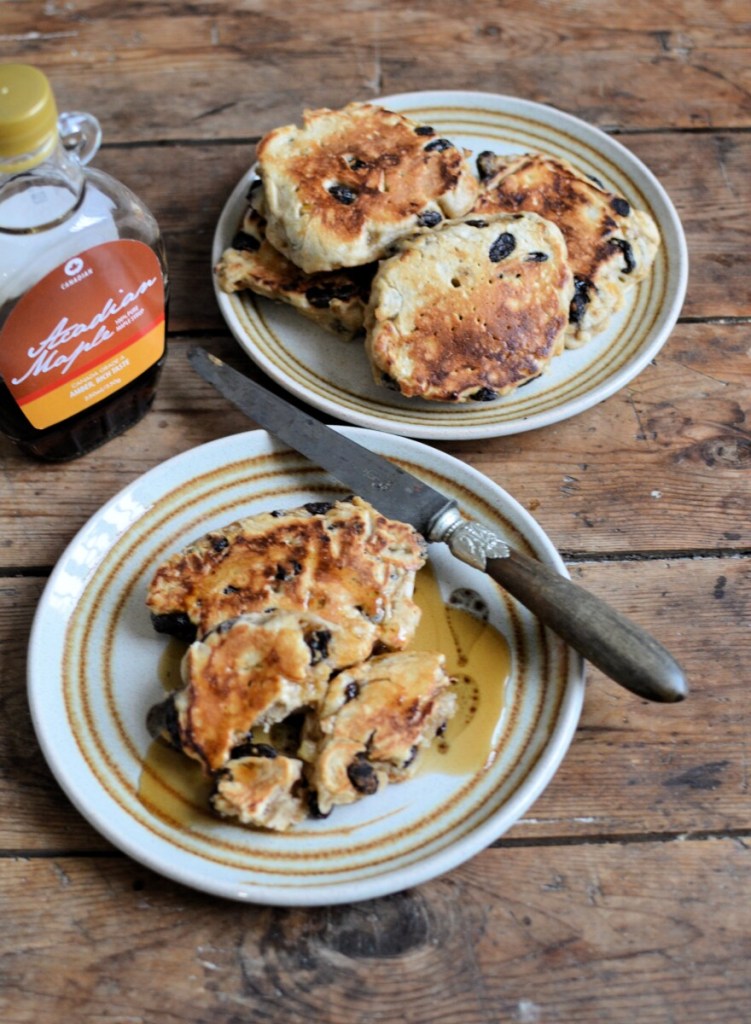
<point>611,246</point>
<point>342,561</point>
<point>471,310</point>
<point>283,734</point>
<point>335,300</point>
<point>251,673</point>
<point>341,189</point>
<point>263,790</point>
<point>374,722</point>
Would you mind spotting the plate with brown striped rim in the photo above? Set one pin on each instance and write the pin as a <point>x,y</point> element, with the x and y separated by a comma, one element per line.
<point>95,668</point>
<point>334,375</point>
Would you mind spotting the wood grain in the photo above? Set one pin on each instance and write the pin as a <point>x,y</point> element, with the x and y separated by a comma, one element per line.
<point>661,466</point>
<point>239,69</point>
<point>613,932</point>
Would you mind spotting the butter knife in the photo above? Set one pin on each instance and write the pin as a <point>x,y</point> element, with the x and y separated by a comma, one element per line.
<point>606,638</point>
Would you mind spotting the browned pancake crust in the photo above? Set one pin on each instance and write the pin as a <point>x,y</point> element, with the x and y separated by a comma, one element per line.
<point>253,671</point>
<point>471,310</point>
<point>374,721</point>
<point>610,245</point>
<point>335,300</point>
<point>344,562</point>
<point>342,188</point>
<point>263,792</point>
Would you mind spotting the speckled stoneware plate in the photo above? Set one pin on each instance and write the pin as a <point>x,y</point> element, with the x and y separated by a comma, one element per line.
<point>94,672</point>
<point>334,375</point>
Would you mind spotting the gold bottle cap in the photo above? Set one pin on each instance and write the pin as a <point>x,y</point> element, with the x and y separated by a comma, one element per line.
<point>28,116</point>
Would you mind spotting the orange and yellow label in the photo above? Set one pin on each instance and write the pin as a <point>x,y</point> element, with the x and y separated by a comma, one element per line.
<point>84,331</point>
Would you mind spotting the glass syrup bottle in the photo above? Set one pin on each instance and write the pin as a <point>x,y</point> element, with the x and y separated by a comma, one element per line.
<point>83,281</point>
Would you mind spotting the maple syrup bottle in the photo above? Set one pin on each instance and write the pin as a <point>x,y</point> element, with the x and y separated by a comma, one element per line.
<point>83,281</point>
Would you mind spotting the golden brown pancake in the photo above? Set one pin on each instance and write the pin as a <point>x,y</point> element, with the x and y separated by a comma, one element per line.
<point>374,721</point>
<point>334,300</point>
<point>252,672</point>
<point>471,310</point>
<point>341,561</point>
<point>610,245</point>
<point>262,791</point>
<point>341,189</point>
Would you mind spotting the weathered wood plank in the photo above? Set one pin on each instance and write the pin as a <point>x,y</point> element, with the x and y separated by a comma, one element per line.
<point>633,768</point>
<point>641,471</point>
<point>613,933</point>
<point>240,69</point>
<point>706,179</point>
<point>660,466</point>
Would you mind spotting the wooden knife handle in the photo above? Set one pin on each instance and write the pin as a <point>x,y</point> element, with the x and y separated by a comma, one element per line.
<point>618,647</point>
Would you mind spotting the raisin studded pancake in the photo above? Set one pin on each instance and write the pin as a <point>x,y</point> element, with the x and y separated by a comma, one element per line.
<point>340,190</point>
<point>342,561</point>
<point>261,790</point>
<point>335,300</point>
<point>470,310</point>
<point>252,672</point>
<point>375,720</point>
<point>610,245</point>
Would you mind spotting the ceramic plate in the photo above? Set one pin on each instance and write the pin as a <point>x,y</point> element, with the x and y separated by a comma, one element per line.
<point>94,672</point>
<point>334,375</point>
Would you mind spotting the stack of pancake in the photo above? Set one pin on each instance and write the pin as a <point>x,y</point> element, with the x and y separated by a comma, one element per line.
<point>297,692</point>
<point>463,284</point>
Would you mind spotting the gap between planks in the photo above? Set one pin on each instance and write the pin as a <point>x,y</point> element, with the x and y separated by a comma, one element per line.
<point>740,835</point>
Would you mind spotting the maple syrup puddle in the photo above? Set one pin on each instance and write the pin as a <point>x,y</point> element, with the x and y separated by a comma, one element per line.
<point>477,658</point>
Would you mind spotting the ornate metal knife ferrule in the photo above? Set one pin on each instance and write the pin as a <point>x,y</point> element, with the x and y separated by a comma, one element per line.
<point>469,541</point>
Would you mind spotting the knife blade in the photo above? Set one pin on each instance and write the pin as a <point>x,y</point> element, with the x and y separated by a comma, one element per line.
<point>602,635</point>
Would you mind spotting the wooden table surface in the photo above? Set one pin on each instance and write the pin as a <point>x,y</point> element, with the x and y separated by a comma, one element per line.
<point>624,893</point>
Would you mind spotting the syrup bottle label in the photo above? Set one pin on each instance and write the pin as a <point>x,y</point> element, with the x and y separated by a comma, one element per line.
<point>84,331</point>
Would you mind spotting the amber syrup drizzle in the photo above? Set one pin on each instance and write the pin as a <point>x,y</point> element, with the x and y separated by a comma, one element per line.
<point>477,659</point>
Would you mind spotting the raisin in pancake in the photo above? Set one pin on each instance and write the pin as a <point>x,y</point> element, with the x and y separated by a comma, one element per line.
<point>375,720</point>
<point>335,300</point>
<point>250,673</point>
<point>610,245</point>
<point>343,561</point>
<point>470,310</point>
<point>339,191</point>
<point>262,791</point>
